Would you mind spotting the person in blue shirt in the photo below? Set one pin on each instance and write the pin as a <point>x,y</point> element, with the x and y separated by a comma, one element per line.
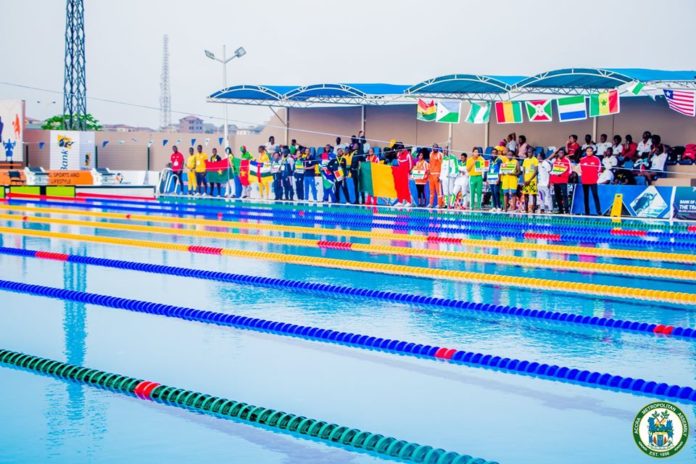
<point>310,172</point>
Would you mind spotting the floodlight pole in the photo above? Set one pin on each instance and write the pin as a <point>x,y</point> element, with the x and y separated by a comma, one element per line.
<point>240,52</point>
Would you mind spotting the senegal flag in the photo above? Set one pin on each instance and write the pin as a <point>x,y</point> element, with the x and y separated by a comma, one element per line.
<point>604,103</point>
<point>382,181</point>
<point>426,110</point>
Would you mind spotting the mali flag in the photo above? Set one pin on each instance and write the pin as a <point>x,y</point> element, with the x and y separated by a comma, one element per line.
<point>604,103</point>
<point>382,181</point>
<point>426,110</point>
<point>508,112</point>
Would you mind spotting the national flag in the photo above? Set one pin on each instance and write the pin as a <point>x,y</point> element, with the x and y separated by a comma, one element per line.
<point>377,180</point>
<point>571,108</point>
<point>634,87</point>
<point>253,173</point>
<point>479,113</point>
<point>539,110</point>
<point>604,103</point>
<point>243,172</point>
<point>401,184</point>
<point>218,171</point>
<point>425,110</point>
<point>681,101</point>
<point>508,112</point>
<point>448,111</point>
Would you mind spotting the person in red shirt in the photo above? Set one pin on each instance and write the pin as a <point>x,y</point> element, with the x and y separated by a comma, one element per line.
<point>560,173</point>
<point>177,161</point>
<point>572,147</point>
<point>590,166</point>
<point>629,149</point>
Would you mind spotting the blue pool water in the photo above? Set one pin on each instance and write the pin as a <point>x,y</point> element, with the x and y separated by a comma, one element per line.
<point>494,415</point>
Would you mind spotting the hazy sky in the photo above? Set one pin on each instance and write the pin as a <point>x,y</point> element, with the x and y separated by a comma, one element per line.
<point>313,41</point>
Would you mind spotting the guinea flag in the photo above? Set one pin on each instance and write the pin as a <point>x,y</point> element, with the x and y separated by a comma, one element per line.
<point>377,180</point>
<point>508,112</point>
<point>426,110</point>
<point>605,103</point>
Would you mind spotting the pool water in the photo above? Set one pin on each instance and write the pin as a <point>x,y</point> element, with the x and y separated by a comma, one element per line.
<point>481,412</point>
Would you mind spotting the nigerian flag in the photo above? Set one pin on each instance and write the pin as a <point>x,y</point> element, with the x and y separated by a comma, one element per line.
<point>479,113</point>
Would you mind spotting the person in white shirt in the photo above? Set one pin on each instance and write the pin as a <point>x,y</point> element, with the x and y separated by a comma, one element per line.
<point>645,145</point>
<point>609,162</point>
<point>543,185</point>
<point>603,145</point>
<point>461,183</point>
<point>271,146</point>
<point>657,164</point>
<point>617,146</point>
<point>512,142</point>
<point>589,144</point>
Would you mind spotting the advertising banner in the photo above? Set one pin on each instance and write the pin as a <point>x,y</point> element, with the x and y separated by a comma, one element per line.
<point>70,178</point>
<point>71,150</point>
<point>638,200</point>
<point>685,203</point>
<point>12,129</point>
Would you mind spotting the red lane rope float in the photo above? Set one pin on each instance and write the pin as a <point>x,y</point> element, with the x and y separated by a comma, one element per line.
<point>84,195</point>
<point>576,376</point>
<point>10,196</point>
<point>629,233</point>
<point>342,291</point>
<point>323,431</point>
<point>542,236</point>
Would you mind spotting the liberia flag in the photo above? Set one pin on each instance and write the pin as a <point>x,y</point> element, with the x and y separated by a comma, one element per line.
<point>681,101</point>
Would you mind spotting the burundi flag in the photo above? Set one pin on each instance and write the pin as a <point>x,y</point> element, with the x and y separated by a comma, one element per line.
<point>448,111</point>
<point>425,110</point>
<point>479,113</point>
<point>572,108</point>
<point>508,112</point>
<point>604,104</point>
<point>539,110</point>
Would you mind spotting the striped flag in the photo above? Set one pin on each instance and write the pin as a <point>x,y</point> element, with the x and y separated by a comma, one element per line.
<point>539,110</point>
<point>635,87</point>
<point>604,103</point>
<point>479,113</point>
<point>681,101</point>
<point>448,111</point>
<point>508,112</point>
<point>571,108</point>
<point>425,110</point>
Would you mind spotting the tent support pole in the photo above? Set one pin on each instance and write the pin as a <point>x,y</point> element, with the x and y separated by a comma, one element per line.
<point>449,137</point>
<point>362,118</point>
<point>594,129</point>
<point>485,134</point>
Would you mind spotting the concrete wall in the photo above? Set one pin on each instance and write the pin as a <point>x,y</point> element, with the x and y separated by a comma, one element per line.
<point>319,126</point>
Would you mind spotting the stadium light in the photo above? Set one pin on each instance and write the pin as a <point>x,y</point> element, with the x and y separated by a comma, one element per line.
<point>238,53</point>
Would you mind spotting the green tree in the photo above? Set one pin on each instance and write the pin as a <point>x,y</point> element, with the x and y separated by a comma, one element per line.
<point>59,122</point>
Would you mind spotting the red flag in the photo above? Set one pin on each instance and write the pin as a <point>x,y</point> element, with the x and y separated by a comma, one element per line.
<point>403,192</point>
<point>244,172</point>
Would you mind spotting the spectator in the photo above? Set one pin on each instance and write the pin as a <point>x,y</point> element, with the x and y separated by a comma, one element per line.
<point>560,173</point>
<point>310,173</point>
<point>609,163</point>
<point>543,184</point>
<point>523,147</point>
<point>294,147</point>
<point>493,178</point>
<point>357,158</point>
<point>287,168</point>
<point>299,171</point>
<point>629,149</point>
<point>645,145</point>
<point>589,143</point>
<point>511,143</point>
<point>200,169</point>
<point>509,172</point>
<point>448,174</point>
<point>215,158</point>
<point>475,167</point>
<point>617,147</point>
<point>270,146</point>
<point>361,142</point>
<point>530,169</point>
<point>603,145</point>
<point>339,146</point>
<point>340,174</point>
<point>420,175</point>
<point>590,166</point>
<point>191,167</point>
<point>177,161</point>
<point>657,164</point>
<point>434,179</point>
<point>572,146</point>
<point>461,183</point>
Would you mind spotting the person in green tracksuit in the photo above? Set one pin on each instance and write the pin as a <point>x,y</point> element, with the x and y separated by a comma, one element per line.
<point>476,166</point>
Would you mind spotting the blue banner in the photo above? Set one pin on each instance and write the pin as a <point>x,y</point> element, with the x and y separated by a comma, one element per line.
<point>685,203</point>
<point>638,200</point>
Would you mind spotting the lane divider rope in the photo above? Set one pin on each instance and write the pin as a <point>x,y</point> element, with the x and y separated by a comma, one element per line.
<point>680,298</point>
<point>342,291</point>
<point>555,264</point>
<point>323,431</point>
<point>373,235</point>
<point>490,230</point>
<point>507,365</point>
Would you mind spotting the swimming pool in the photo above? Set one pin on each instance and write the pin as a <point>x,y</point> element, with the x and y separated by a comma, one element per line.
<point>496,414</point>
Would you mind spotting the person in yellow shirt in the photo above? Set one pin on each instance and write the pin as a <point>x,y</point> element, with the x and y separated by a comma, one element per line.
<point>509,171</point>
<point>476,166</point>
<point>265,177</point>
<point>191,172</point>
<point>200,169</point>
<point>530,168</point>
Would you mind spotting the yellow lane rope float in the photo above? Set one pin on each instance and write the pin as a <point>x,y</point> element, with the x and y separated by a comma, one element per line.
<point>392,269</point>
<point>558,264</point>
<point>372,235</point>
